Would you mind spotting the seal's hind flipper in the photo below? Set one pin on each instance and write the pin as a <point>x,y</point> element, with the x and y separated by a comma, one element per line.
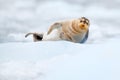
<point>36,36</point>
<point>28,34</point>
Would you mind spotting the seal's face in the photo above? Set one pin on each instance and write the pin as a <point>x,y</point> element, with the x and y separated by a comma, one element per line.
<point>80,25</point>
<point>84,23</point>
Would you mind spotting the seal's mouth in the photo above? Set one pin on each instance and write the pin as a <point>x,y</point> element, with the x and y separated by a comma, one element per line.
<point>83,26</point>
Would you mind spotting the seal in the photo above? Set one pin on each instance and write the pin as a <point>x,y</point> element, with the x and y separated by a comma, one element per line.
<point>76,30</point>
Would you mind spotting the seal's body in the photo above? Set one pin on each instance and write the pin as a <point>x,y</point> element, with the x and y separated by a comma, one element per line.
<point>75,30</point>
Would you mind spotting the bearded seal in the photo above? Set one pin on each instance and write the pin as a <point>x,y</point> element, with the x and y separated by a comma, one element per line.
<point>76,30</point>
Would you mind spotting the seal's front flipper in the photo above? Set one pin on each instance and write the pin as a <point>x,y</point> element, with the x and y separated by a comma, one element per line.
<point>85,37</point>
<point>54,26</point>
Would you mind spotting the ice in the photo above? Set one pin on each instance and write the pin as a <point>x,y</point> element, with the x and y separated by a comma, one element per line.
<point>51,60</point>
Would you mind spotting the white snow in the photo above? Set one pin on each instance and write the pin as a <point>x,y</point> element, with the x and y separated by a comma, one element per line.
<point>22,59</point>
<point>57,60</point>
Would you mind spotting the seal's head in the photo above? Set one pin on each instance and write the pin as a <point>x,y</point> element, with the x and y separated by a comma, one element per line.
<point>80,25</point>
<point>84,23</point>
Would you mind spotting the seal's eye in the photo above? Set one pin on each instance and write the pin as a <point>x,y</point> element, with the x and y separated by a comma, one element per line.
<point>80,20</point>
<point>86,23</point>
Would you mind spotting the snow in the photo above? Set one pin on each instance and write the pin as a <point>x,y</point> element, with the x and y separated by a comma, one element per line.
<point>51,60</point>
<point>22,59</point>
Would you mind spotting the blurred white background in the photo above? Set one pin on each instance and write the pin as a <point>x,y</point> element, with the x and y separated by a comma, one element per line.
<point>18,17</point>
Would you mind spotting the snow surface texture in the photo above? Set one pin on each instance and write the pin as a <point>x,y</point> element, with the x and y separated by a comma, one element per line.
<point>60,60</point>
<point>22,59</point>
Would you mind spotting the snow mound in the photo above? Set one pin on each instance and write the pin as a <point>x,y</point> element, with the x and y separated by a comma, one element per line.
<point>60,60</point>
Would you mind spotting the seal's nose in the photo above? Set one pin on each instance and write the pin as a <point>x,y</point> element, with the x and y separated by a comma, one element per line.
<point>82,26</point>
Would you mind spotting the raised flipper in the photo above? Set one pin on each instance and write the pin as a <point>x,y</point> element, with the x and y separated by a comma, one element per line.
<point>85,38</point>
<point>54,26</point>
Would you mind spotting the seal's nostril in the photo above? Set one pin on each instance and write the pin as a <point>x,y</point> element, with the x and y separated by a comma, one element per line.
<point>82,25</point>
